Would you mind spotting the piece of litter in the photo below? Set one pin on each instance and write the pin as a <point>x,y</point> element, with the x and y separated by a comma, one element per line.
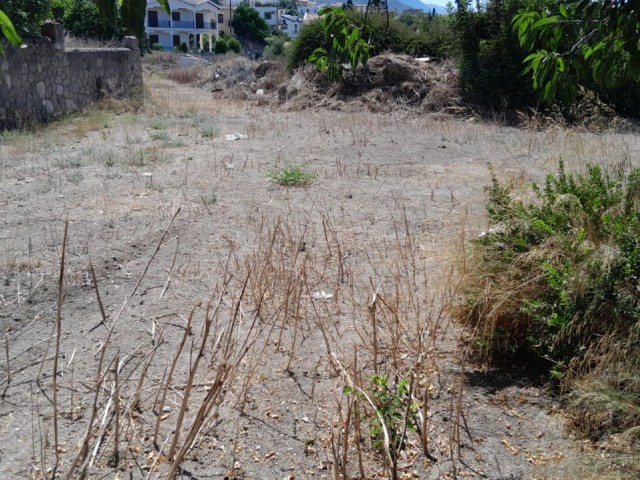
<point>322,295</point>
<point>236,136</point>
<point>260,92</point>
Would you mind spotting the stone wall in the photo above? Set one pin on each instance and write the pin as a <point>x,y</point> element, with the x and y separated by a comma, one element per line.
<point>42,80</point>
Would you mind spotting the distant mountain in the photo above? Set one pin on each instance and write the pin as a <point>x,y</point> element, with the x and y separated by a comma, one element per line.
<point>397,5</point>
<point>416,5</point>
<point>439,10</point>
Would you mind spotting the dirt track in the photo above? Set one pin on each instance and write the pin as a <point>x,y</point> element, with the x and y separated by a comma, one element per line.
<point>393,197</point>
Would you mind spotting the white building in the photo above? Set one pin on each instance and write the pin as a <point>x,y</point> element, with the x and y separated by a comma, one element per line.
<point>291,25</point>
<point>271,14</point>
<point>193,22</point>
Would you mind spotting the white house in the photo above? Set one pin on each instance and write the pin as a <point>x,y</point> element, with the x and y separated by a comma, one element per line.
<point>308,7</point>
<point>193,22</point>
<point>271,14</point>
<point>291,25</point>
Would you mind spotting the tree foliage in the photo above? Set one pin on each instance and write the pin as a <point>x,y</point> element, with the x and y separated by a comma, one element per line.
<point>490,57</point>
<point>26,15</point>
<point>248,24</point>
<point>347,45</point>
<point>579,42</point>
<point>8,31</point>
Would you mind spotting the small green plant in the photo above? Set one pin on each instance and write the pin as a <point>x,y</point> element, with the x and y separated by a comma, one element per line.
<point>394,416</point>
<point>291,176</point>
<point>209,131</point>
<point>347,45</point>
<point>158,124</point>
<point>164,136</point>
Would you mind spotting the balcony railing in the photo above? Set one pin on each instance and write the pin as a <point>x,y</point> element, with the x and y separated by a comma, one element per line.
<point>183,24</point>
<point>160,24</point>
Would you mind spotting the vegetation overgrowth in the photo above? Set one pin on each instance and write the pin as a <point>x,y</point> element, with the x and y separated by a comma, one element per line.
<point>555,280</point>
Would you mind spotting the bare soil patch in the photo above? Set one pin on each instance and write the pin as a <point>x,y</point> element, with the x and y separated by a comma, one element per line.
<point>237,310</point>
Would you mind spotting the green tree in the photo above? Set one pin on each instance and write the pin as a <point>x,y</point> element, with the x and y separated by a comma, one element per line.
<point>579,42</point>
<point>347,45</point>
<point>82,19</point>
<point>26,15</point>
<point>248,24</point>
<point>490,57</point>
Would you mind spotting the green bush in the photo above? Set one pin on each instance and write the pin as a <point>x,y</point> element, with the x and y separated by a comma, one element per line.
<point>233,45</point>
<point>220,46</point>
<point>275,47</point>
<point>182,48</point>
<point>430,39</point>
<point>310,37</point>
<point>557,278</point>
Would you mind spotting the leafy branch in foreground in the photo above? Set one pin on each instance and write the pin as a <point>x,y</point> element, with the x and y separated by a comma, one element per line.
<point>579,42</point>
<point>8,31</point>
<point>347,45</point>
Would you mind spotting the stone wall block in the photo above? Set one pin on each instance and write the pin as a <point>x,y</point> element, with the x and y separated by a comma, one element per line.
<point>43,80</point>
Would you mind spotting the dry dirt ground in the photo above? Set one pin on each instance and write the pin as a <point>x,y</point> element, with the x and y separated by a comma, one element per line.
<point>236,310</point>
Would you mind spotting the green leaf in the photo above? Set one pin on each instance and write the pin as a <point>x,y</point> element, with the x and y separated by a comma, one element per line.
<point>563,10</point>
<point>544,21</point>
<point>347,390</point>
<point>165,6</point>
<point>8,30</point>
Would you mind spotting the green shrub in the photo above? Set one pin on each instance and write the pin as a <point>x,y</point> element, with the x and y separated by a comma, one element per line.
<point>233,45</point>
<point>182,48</point>
<point>432,39</point>
<point>275,47</point>
<point>220,46</point>
<point>558,278</point>
<point>311,36</point>
<point>290,176</point>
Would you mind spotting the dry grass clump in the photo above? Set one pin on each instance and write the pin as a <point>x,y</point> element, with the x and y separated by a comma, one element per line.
<point>232,71</point>
<point>389,82</point>
<point>555,280</point>
<point>589,114</point>
<point>194,74</point>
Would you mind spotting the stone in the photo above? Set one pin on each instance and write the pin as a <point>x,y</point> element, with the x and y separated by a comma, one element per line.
<point>7,80</point>
<point>41,89</point>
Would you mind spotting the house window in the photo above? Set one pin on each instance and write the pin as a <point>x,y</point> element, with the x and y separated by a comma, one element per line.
<point>176,40</point>
<point>221,18</point>
<point>267,15</point>
<point>153,18</point>
<point>175,16</point>
<point>153,39</point>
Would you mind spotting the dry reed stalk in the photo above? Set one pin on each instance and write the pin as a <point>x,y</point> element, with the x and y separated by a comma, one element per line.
<point>6,351</point>
<point>167,383</point>
<point>146,268</point>
<point>54,385</point>
<point>192,373</point>
<point>116,432</point>
<point>103,314</point>
<point>82,457</point>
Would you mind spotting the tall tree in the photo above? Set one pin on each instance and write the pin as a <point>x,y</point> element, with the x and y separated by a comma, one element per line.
<point>248,24</point>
